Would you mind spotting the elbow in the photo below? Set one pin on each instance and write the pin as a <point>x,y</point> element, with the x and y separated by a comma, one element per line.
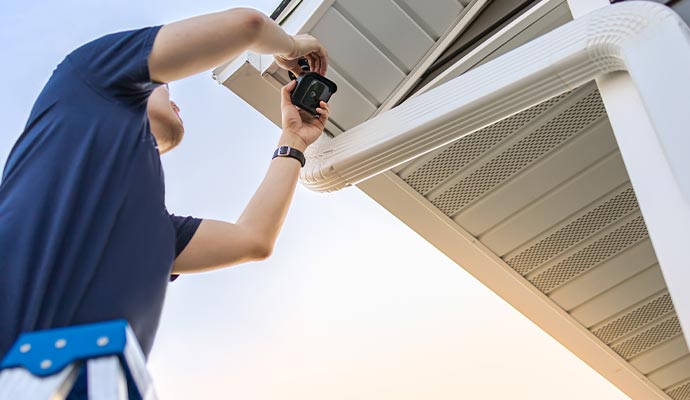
<point>263,252</point>
<point>255,22</point>
<point>262,249</point>
<point>252,22</point>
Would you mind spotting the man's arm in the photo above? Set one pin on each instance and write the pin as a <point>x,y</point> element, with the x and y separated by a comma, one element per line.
<point>216,244</point>
<point>198,44</point>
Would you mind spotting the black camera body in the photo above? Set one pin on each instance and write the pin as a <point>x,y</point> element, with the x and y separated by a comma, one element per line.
<point>311,89</point>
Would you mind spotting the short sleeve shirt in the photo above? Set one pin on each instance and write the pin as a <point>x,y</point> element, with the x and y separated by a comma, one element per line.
<point>84,232</point>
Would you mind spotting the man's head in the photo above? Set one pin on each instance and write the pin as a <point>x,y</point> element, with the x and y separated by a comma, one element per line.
<point>164,116</point>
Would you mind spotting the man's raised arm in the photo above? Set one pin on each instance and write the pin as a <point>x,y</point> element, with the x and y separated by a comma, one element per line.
<point>218,244</point>
<point>198,44</point>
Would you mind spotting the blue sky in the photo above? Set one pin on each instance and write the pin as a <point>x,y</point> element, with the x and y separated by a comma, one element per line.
<point>352,305</point>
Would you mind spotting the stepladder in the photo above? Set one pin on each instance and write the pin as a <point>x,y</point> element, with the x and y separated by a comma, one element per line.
<point>101,361</point>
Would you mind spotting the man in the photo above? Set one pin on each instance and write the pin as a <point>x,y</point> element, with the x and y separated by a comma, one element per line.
<point>84,232</point>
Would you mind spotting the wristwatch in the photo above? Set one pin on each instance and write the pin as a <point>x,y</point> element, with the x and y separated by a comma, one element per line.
<point>287,151</point>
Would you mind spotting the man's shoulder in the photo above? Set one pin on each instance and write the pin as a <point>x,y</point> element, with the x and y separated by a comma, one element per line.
<point>116,64</point>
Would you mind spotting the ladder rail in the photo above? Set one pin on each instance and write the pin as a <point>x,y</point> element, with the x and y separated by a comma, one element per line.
<point>47,364</point>
<point>19,383</point>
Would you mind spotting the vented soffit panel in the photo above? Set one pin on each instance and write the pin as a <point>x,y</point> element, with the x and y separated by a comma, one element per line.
<point>576,240</point>
<point>540,207</point>
<point>545,196</point>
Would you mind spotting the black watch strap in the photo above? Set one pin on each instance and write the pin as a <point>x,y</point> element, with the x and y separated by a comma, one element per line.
<point>287,151</point>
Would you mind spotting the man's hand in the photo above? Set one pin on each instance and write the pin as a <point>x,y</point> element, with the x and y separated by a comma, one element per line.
<point>299,123</point>
<point>306,46</point>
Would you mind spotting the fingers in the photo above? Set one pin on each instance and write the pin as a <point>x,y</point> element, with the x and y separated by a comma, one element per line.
<point>286,92</point>
<point>312,63</point>
<point>323,60</point>
<point>323,106</point>
<point>310,48</point>
<point>317,62</point>
<point>323,111</point>
<point>297,71</point>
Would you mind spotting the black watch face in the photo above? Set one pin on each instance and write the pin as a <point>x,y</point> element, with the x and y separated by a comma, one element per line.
<point>287,151</point>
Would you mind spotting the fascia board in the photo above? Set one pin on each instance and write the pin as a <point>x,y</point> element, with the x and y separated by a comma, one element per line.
<point>227,71</point>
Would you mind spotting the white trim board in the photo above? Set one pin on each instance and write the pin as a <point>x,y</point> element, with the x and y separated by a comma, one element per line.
<point>414,210</point>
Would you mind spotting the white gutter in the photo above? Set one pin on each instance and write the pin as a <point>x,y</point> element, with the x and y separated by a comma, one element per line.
<point>640,54</point>
<point>639,37</point>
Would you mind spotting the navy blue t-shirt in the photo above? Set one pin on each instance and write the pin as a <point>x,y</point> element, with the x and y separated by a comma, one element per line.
<point>84,232</point>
